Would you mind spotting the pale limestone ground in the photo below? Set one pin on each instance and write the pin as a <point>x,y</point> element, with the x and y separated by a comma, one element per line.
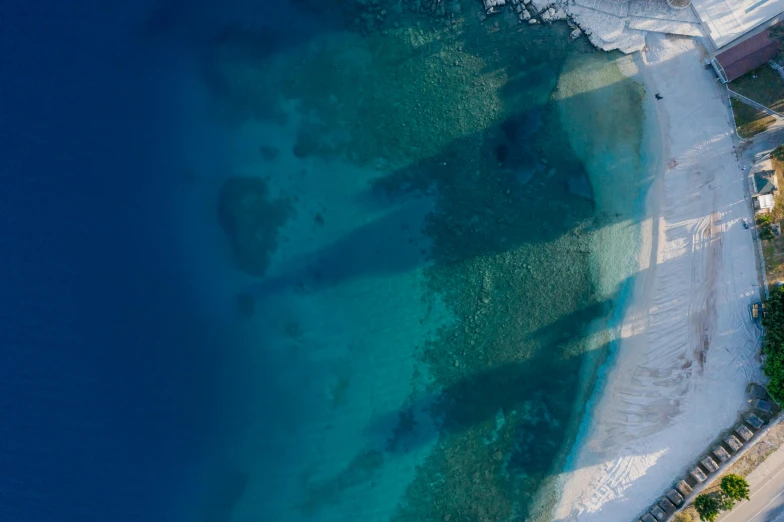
<point>688,345</point>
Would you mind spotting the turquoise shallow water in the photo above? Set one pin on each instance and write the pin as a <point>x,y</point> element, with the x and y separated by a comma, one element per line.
<point>375,252</point>
<point>419,231</point>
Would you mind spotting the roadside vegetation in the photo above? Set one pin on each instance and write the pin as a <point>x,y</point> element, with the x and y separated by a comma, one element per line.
<point>773,249</point>
<point>777,159</point>
<point>773,347</point>
<point>707,506</point>
<point>733,488</point>
<point>778,153</point>
<point>748,462</point>
<point>764,221</point>
<point>763,85</point>
<point>750,121</point>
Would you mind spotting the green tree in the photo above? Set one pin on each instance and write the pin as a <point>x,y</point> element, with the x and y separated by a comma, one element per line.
<point>774,322</point>
<point>778,153</point>
<point>707,507</point>
<point>774,368</point>
<point>735,487</point>
<point>774,343</point>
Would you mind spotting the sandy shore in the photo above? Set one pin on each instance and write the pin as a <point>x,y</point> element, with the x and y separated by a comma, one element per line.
<point>687,345</point>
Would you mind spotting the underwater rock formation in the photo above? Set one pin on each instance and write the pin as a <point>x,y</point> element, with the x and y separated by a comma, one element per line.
<point>251,221</point>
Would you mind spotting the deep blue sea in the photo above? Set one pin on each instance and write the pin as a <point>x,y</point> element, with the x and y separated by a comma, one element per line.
<point>302,261</point>
<point>109,359</point>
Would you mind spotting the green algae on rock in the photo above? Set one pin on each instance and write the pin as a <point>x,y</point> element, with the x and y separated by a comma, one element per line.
<point>251,221</point>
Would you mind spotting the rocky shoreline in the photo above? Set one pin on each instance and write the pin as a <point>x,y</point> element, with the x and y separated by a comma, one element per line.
<point>608,24</point>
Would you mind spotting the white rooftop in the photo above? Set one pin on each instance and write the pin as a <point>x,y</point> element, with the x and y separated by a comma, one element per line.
<point>765,202</point>
<point>727,20</point>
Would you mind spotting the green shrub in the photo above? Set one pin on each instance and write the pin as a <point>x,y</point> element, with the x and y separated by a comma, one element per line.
<point>735,487</point>
<point>778,153</point>
<point>773,346</point>
<point>766,234</point>
<point>774,368</point>
<point>764,219</point>
<point>707,507</point>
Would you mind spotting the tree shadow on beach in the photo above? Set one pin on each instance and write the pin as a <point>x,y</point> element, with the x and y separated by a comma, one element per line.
<point>535,393</point>
<point>515,182</point>
<point>491,193</point>
<point>535,397</point>
<point>511,420</point>
<point>477,399</point>
<point>538,390</point>
<point>385,246</point>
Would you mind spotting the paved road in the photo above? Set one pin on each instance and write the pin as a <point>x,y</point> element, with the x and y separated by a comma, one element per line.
<point>755,150</point>
<point>767,481</point>
<point>767,494</point>
<point>770,139</point>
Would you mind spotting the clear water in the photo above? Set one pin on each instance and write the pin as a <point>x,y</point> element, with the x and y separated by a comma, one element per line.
<point>290,262</point>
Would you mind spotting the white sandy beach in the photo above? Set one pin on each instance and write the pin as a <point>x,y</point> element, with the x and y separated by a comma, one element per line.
<point>688,346</point>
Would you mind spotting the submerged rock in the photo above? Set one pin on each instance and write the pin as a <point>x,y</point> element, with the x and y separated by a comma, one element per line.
<point>251,221</point>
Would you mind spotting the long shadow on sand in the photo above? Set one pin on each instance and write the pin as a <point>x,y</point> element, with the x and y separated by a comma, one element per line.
<point>509,199</point>
<point>538,392</point>
<point>377,248</point>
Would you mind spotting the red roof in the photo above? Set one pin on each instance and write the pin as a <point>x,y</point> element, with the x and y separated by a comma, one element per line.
<point>749,54</point>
